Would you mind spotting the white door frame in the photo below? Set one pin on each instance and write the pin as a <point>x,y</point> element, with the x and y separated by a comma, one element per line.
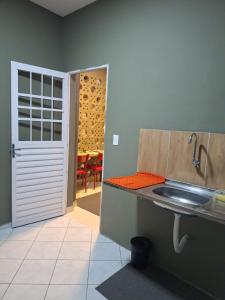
<point>106,105</point>
<point>67,113</point>
<point>14,116</point>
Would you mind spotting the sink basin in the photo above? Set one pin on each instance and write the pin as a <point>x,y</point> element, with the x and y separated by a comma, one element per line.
<point>182,196</point>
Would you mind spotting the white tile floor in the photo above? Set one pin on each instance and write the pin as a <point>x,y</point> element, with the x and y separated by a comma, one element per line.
<point>62,259</point>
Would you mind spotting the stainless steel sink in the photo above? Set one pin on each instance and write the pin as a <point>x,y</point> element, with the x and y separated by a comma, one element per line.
<point>184,196</point>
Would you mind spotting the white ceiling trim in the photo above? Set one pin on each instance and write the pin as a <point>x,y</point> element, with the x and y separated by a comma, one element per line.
<point>62,7</point>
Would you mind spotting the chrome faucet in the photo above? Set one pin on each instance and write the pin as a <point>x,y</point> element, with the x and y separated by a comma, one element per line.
<point>195,162</point>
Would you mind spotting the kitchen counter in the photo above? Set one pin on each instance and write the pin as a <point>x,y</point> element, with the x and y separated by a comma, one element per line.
<point>211,211</point>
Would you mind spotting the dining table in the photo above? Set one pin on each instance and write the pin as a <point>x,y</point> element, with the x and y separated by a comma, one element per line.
<point>91,153</point>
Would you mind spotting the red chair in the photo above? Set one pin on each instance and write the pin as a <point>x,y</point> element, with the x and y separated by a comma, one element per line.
<point>82,169</point>
<point>96,167</point>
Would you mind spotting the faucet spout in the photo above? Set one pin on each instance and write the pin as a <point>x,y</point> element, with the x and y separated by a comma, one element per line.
<point>195,162</point>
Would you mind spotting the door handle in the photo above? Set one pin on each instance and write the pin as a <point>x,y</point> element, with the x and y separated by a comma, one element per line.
<point>13,151</point>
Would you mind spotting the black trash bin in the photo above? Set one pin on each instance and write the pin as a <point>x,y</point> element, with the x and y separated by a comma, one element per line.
<point>140,251</point>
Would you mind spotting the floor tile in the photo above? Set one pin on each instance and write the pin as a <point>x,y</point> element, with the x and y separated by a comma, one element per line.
<point>51,234</point>
<point>44,250</point>
<point>3,288</point>
<point>66,292</point>
<point>92,294</point>
<point>125,254</point>
<point>101,270</point>
<point>8,268</point>
<point>58,222</point>
<point>14,249</point>
<point>35,272</point>
<point>4,233</point>
<point>105,251</point>
<point>75,223</point>
<point>100,238</point>
<point>75,250</point>
<point>24,234</point>
<point>30,292</point>
<point>70,272</point>
<point>78,235</point>
<point>86,218</point>
<point>92,222</point>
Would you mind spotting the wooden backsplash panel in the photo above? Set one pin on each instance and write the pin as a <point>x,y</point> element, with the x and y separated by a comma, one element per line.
<point>180,158</point>
<point>168,153</point>
<point>153,151</point>
<point>216,162</point>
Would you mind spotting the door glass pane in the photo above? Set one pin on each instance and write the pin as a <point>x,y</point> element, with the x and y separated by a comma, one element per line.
<point>24,130</point>
<point>36,131</point>
<point>36,102</point>
<point>36,84</point>
<point>43,116</point>
<point>24,113</point>
<point>24,82</point>
<point>36,114</point>
<point>24,101</point>
<point>47,114</point>
<point>47,86</point>
<point>47,103</point>
<point>57,104</point>
<point>47,131</point>
<point>57,115</point>
<point>57,88</point>
<point>57,131</point>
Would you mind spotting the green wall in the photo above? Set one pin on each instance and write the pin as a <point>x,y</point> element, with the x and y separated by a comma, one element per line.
<point>167,71</point>
<point>31,35</point>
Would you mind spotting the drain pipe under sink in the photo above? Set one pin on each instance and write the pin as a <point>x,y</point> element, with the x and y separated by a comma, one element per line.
<point>178,245</point>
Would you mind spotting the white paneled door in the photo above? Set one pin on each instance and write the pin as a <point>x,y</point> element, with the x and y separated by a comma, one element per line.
<point>39,108</point>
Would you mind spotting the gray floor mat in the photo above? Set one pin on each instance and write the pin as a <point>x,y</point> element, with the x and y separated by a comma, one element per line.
<point>132,284</point>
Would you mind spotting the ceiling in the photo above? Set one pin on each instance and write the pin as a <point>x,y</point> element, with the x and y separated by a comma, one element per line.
<point>62,7</point>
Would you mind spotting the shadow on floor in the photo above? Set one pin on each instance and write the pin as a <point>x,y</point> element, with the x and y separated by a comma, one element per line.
<point>90,203</point>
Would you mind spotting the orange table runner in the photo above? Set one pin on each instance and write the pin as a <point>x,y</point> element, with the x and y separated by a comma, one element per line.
<point>136,181</point>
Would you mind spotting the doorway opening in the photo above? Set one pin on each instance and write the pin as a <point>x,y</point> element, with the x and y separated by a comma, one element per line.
<point>88,96</point>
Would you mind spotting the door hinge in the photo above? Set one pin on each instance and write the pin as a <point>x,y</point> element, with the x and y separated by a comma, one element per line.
<point>13,151</point>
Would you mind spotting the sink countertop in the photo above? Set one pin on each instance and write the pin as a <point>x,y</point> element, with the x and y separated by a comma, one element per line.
<point>210,211</point>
